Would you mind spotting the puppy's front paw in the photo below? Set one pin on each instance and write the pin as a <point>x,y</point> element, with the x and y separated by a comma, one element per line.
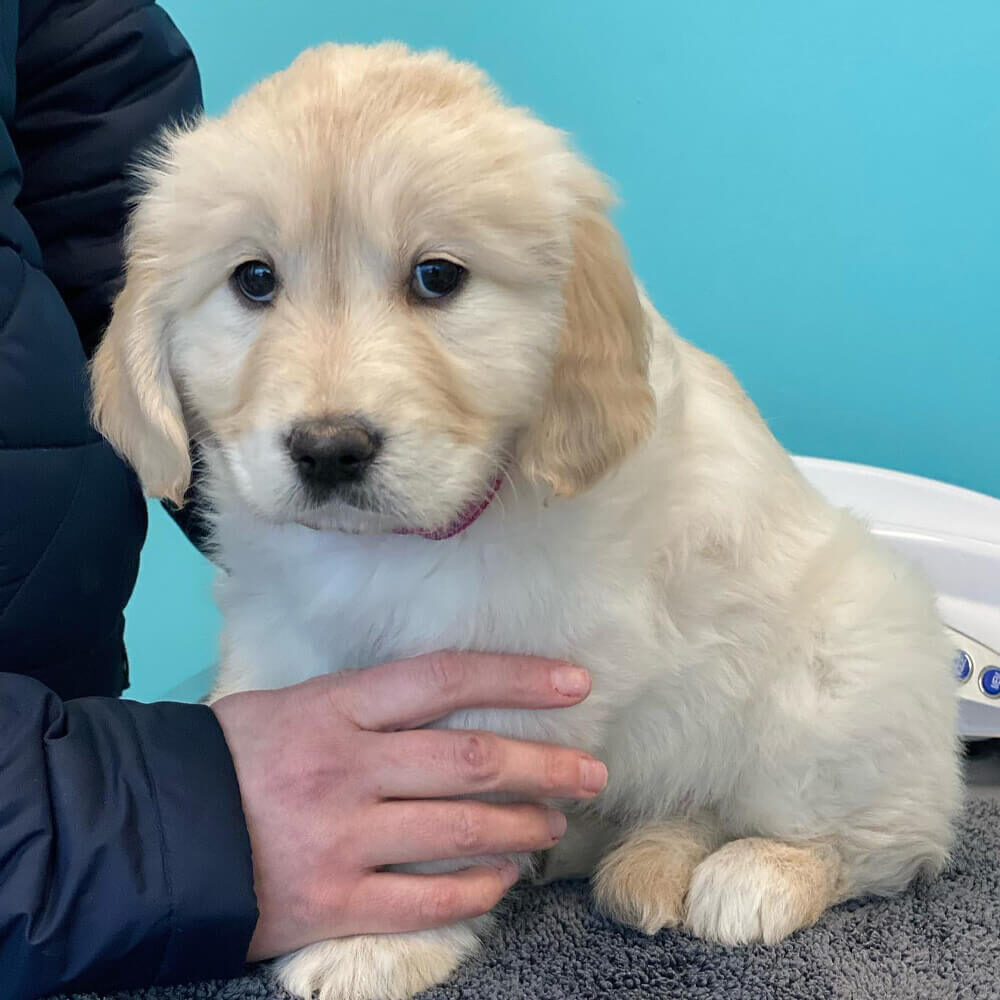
<point>376,966</point>
<point>643,881</point>
<point>760,890</point>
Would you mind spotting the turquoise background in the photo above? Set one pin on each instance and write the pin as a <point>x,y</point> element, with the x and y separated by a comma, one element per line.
<point>810,190</point>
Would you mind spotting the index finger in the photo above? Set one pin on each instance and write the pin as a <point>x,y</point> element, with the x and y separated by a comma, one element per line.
<point>410,693</point>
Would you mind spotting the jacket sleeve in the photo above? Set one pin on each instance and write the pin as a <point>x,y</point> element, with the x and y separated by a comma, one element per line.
<point>124,856</point>
<point>96,81</point>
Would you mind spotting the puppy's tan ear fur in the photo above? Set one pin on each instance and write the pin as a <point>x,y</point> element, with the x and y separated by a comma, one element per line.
<point>599,405</point>
<point>136,406</point>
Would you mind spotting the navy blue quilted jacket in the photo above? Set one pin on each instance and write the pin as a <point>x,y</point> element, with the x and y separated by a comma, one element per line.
<point>124,856</point>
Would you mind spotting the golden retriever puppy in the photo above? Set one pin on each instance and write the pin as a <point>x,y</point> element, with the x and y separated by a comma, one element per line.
<point>437,411</point>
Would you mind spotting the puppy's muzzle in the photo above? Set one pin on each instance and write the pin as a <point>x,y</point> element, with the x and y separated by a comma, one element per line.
<point>331,452</point>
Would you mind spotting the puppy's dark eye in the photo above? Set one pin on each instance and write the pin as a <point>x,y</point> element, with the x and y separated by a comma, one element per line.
<point>434,279</point>
<point>255,280</point>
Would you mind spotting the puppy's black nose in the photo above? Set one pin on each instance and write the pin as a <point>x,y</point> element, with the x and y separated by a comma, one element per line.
<point>328,452</point>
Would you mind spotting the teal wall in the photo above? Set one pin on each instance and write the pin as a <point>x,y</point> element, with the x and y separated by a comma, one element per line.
<point>811,190</point>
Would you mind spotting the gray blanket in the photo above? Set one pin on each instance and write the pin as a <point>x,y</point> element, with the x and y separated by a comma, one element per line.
<point>940,940</point>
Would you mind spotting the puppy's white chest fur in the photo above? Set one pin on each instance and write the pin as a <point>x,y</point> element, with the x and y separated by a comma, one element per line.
<point>299,603</point>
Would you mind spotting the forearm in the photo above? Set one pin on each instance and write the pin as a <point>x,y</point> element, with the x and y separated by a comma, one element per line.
<point>124,856</point>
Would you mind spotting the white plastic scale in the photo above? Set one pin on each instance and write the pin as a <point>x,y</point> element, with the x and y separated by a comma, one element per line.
<point>954,536</point>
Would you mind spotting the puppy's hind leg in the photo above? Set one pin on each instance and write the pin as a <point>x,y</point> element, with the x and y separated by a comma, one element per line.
<point>758,889</point>
<point>643,882</point>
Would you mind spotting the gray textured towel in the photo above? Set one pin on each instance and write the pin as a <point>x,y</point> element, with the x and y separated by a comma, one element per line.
<point>940,940</point>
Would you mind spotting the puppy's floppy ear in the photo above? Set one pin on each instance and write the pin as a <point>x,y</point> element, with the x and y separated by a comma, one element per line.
<point>599,405</point>
<point>136,406</point>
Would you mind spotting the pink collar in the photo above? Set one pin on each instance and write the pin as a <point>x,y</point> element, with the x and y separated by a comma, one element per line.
<point>467,517</point>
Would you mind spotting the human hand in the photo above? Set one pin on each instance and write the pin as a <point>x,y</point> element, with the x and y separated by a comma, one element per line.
<point>336,784</point>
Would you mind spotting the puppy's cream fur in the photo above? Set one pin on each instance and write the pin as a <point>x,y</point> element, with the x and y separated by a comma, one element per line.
<point>772,691</point>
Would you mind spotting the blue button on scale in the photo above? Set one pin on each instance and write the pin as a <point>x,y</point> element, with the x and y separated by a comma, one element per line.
<point>989,682</point>
<point>962,665</point>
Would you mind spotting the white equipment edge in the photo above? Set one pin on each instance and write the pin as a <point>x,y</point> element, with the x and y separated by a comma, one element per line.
<point>953,534</point>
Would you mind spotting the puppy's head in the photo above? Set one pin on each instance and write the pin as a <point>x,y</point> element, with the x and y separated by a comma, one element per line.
<point>367,289</point>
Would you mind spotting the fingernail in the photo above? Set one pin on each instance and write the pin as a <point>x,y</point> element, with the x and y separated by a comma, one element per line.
<point>593,774</point>
<point>557,823</point>
<point>571,681</point>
